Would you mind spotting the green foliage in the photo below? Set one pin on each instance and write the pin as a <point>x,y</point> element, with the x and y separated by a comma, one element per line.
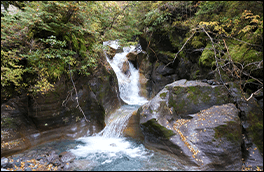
<point>11,71</point>
<point>41,41</point>
<point>207,57</point>
<point>210,9</point>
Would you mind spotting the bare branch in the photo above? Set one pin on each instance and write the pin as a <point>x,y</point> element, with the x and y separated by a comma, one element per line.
<point>180,50</point>
<point>256,92</point>
<point>78,105</point>
<point>67,98</point>
<point>252,77</point>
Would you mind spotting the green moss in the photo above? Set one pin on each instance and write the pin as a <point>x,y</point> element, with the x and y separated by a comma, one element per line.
<point>244,53</point>
<point>156,64</point>
<point>180,106</point>
<point>175,39</point>
<point>177,90</point>
<point>163,95</point>
<point>205,96</point>
<point>256,128</point>
<point>195,74</point>
<point>231,131</point>
<point>194,93</point>
<point>8,123</point>
<point>155,128</point>
<point>220,98</point>
<point>172,103</point>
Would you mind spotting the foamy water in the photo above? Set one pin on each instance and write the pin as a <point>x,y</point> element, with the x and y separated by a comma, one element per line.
<point>128,84</point>
<point>109,150</point>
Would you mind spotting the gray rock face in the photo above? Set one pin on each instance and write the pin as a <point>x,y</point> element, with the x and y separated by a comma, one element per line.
<point>29,121</point>
<point>197,122</point>
<point>67,157</point>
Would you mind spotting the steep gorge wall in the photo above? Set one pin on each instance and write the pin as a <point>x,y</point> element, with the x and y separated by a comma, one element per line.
<point>27,121</point>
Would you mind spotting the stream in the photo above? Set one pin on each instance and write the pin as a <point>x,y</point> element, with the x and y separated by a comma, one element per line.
<point>109,150</point>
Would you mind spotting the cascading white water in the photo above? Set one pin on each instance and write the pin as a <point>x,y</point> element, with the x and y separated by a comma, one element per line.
<point>128,84</point>
<point>116,123</point>
<point>129,91</point>
<point>109,145</point>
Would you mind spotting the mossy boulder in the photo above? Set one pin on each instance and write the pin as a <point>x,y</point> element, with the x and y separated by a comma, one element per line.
<point>201,140</point>
<point>188,97</point>
<point>197,122</point>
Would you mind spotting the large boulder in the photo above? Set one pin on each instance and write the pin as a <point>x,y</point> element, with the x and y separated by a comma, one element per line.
<point>196,122</point>
<point>31,120</point>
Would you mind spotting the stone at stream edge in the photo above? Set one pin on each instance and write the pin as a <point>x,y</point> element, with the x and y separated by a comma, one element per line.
<point>207,142</point>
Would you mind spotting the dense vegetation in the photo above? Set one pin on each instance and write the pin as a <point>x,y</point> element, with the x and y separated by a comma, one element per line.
<point>48,38</point>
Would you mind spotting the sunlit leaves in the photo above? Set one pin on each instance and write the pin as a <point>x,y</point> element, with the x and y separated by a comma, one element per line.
<point>11,72</point>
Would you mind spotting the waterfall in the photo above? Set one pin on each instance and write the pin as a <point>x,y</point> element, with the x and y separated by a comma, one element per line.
<point>108,150</point>
<point>129,92</point>
<point>109,142</point>
<point>128,84</point>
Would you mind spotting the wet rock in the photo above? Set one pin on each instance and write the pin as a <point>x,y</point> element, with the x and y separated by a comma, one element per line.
<point>32,154</point>
<point>133,128</point>
<point>119,50</point>
<point>111,52</point>
<point>253,158</point>
<point>251,115</point>
<point>42,161</point>
<point>39,157</point>
<point>125,68</point>
<point>67,157</point>
<point>52,156</point>
<point>56,162</point>
<point>132,57</point>
<point>82,165</point>
<point>4,162</point>
<point>66,167</point>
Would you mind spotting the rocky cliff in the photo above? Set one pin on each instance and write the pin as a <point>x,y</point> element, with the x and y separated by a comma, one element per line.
<point>30,120</point>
